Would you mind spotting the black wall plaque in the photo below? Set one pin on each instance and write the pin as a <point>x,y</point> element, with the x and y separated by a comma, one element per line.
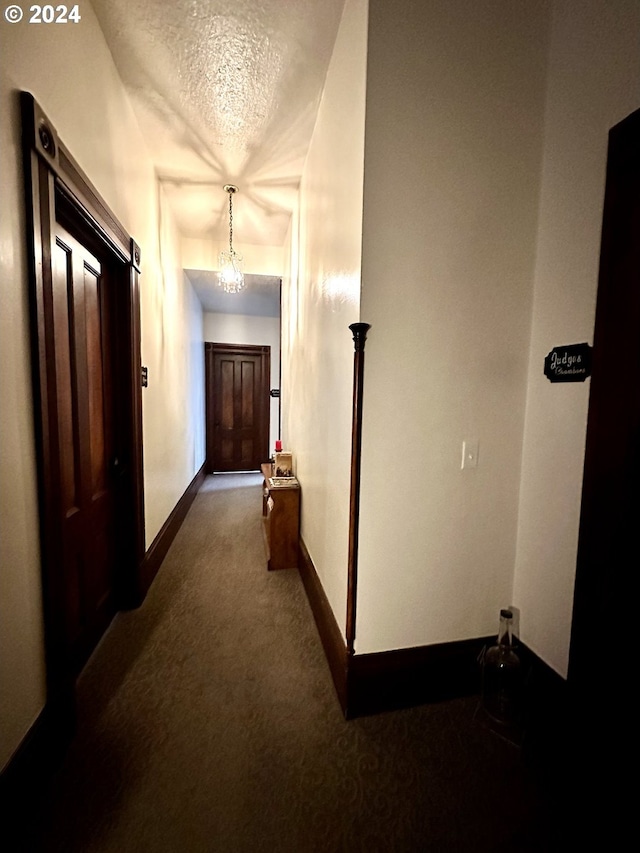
<point>570,363</point>
<point>275,392</point>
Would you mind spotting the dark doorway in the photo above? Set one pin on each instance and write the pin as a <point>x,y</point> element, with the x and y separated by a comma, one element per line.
<point>86,371</point>
<point>84,332</point>
<point>237,406</point>
<point>600,667</point>
<point>609,544</point>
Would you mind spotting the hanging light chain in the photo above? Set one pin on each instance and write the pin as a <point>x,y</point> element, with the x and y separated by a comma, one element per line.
<point>231,278</point>
<point>231,189</point>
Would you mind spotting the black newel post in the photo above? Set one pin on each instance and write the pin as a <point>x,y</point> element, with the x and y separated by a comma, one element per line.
<point>359,338</point>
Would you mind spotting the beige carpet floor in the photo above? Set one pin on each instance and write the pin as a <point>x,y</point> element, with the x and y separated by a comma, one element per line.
<point>208,723</point>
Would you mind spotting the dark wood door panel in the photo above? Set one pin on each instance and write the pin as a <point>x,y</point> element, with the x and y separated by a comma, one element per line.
<point>608,548</point>
<point>237,430</point>
<point>66,421</point>
<point>84,383</point>
<point>75,297</point>
<point>602,712</point>
<point>237,406</point>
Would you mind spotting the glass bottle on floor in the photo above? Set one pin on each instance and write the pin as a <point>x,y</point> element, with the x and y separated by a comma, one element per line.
<point>501,675</point>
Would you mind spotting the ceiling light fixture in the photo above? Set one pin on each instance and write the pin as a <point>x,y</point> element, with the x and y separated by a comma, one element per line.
<point>231,278</point>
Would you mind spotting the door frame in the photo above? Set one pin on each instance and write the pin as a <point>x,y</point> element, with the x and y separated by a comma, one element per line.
<point>210,351</point>
<point>51,173</point>
<point>600,676</point>
<point>612,458</point>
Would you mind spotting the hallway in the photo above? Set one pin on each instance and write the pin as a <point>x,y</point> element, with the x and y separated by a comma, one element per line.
<point>208,722</point>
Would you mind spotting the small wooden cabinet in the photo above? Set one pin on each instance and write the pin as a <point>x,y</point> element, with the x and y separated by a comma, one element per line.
<point>280,519</point>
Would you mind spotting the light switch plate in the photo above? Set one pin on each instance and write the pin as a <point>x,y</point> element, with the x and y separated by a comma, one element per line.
<point>469,454</point>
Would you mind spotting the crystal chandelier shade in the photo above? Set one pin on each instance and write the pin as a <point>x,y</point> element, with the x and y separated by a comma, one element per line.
<point>230,276</point>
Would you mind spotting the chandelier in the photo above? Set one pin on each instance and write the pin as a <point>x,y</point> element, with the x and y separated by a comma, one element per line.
<point>230,277</point>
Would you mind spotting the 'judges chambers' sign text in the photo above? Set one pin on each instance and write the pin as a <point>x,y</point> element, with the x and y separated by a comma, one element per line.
<point>568,364</point>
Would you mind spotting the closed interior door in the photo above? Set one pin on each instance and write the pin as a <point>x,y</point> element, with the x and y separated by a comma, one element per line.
<point>85,425</point>
<point>608,549</point>
<point>602,667</point>
<point>237,407</point>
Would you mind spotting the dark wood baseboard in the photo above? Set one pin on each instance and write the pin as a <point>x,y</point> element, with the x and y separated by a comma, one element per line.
<point>372,683</point>
<point>547,706</point>
<point>332,639</point>
<point>157,551</point>
<point>402,678</point>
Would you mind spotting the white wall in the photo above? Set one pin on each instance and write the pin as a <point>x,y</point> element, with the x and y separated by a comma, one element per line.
<point>321,289</point>
<point>72,76</point>
<point>455,96</point>
<point>22,669</point>
<point>173,352</point>
<point>196,443</point>
<point>259,331</point>
<point>200,254</point>
<point>593,83</point>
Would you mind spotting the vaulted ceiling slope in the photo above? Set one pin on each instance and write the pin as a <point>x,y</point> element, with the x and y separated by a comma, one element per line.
<point>225,91</point>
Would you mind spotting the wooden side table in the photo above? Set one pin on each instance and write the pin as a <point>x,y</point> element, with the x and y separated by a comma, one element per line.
<point>280,519</point>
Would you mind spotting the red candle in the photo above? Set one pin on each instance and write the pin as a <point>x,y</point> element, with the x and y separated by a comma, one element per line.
<point>278,446</point>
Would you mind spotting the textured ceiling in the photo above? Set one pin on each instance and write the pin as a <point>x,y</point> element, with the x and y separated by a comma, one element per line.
<point>225,91</point>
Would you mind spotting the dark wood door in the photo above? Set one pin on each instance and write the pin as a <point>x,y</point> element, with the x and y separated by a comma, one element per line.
<point>83,339</point>
<point>87,402</point>
<point>609,544</point>
<point>237,406</point>
<point>602,653</point>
